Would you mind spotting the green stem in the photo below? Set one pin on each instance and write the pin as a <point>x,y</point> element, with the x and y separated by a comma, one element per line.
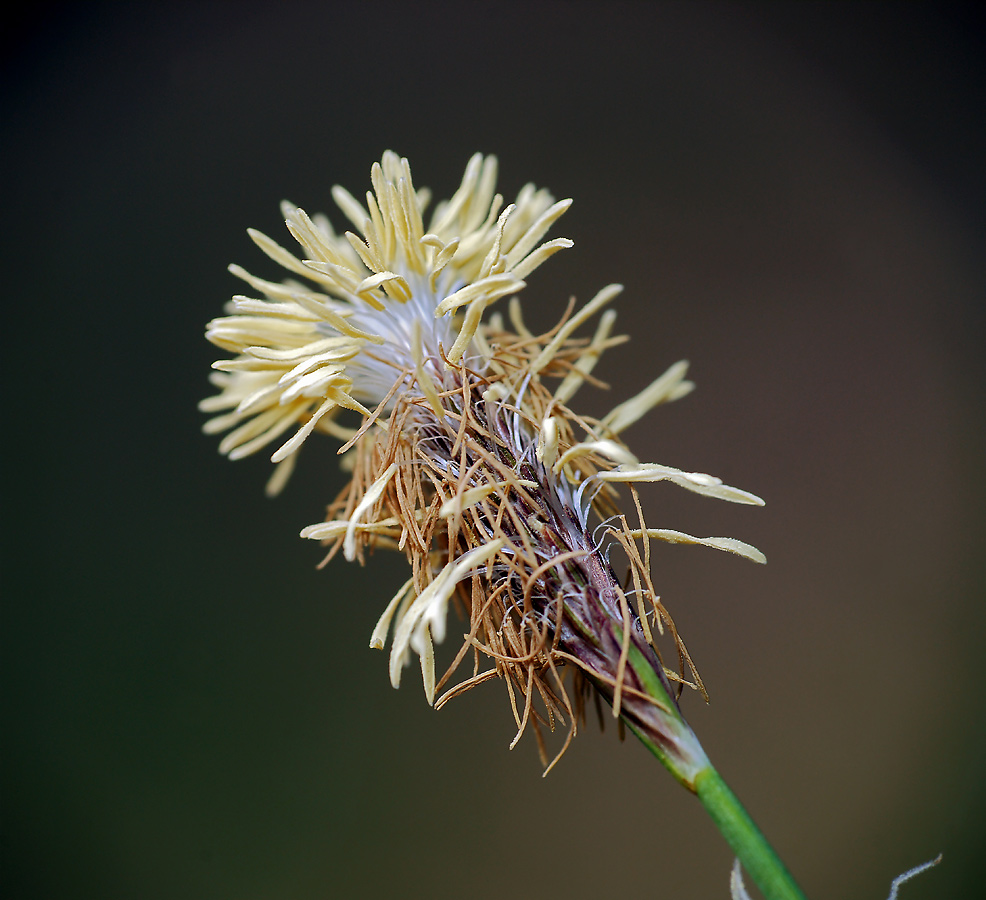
<point>658,722</point>
<point>742,834</point>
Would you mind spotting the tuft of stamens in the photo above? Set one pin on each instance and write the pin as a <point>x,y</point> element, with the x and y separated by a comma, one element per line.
<point>306,351</point>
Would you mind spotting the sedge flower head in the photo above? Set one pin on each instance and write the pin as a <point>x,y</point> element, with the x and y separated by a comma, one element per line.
<point>464,452</point>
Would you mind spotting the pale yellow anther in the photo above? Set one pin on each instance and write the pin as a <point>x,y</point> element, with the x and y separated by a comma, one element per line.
<point>337,528</point>
<point>371,496</point>
<point>471,496</point>
<point>516,314</point>
<point>698,482</point>
<point>587,311</point>
<point>490,263</point>
<point>424,619</point>
<point>289,447</point>
<point>730,545</point>
<point>670,386</point>
<point>610,449</point>
<point>547,446</point>
<point>425,381</point>
<point>395,285</point>
<point>496,392</point>
<point>378,639</point>
<point>587,361</point>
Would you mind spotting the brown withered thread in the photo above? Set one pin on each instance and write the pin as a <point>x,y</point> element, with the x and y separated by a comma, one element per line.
<point>546,604</point>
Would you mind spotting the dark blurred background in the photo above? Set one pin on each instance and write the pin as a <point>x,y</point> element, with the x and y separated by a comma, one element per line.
<point>793,195</point>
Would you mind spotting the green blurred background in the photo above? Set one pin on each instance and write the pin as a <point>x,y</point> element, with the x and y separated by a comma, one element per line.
<point>793,195</point>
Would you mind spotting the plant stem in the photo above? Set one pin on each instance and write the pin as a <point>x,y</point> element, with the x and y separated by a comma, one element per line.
<point>747,841</point>
<point>733,821</point>
<point>664,731</point>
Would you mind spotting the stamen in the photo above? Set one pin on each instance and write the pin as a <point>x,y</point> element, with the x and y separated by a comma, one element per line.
<point>730,545</point>
<point>670,386</point>
<point>369,498</point>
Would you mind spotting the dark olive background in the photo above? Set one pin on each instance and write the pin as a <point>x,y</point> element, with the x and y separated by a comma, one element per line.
<point>793,195</point>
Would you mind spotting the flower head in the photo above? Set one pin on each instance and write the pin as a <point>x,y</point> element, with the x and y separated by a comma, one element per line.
<point>467,457</point>
<point>374,304</point>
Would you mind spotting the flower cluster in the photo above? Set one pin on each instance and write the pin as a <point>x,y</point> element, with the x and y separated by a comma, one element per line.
<point>465,454</point>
